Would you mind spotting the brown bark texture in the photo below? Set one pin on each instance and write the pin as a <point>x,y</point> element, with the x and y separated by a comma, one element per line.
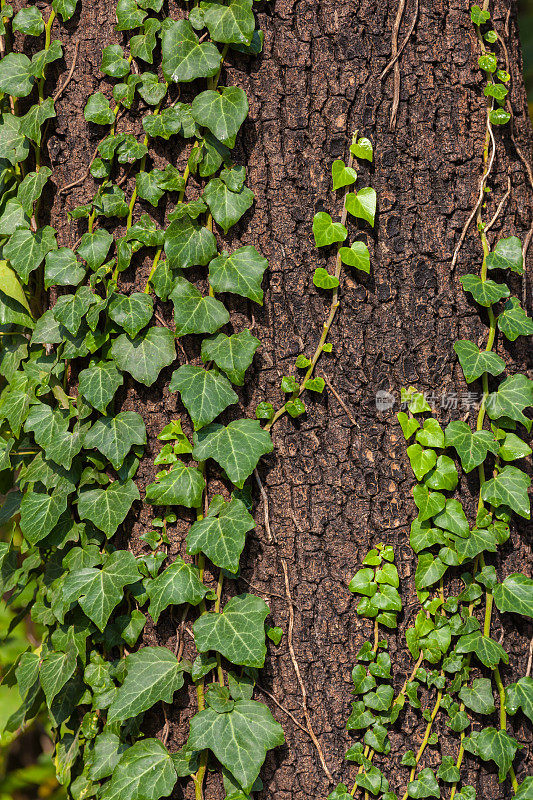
<point>338,484</point>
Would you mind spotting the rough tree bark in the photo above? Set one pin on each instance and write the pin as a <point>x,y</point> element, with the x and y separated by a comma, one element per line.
<point>335,486</point>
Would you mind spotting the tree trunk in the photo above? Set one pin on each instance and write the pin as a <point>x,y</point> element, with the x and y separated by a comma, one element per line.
<point>339,481</point>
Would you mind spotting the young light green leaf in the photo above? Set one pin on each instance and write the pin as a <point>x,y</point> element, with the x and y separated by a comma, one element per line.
<point>421,460</point>
<point>232,354</point>
<point>453,518</point>
<point>362,148</point>
<point>342,175</point>
<point>180,486</point>
<point>357,256</point>
<point>204,393</point>
<point>145,356</point>
<point>515,594</point>
<point>222,537</point>
<point>239,739</point>
<point>507,254</point>
<point>513,321</point>
<point>240,273</point>
<point>431,434</point>
<point>324,280</point>
<point>222,112</point>
<point>509,488</point>
<point>429,570</point>
<point>326,231</point>
<point>178,583</point>
<point>429,503</point>
<point>193,312</point>
<point>108,508</point>
<point>145,771</point>
<point>237,447</point>
<point>362,204</point>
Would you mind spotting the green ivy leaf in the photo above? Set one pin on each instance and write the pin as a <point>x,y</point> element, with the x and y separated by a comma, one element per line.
<point>342,175</point>
<point>184,58</point>
<point>178,583</point>
<point>105,755</point>
<point>357,256</point>
<point>421,460</point>
<point>145,770</point>
<point>50,431</point>
<point>479,697</point>
<point>129,16</point>
<point>474,362</point>
<point>444,475</point>
<point>31,188</point>
<point>486,293</point>
<point>429,570</point>
<point>115,436</point>
<point>513,447</point>
<point>133,312</point>
<point>181,486</point>
<point>472,448</point>
<point>227,207</point>
<point>65,8</point>
<point>62,269</point>
<point>99,383</point>
<point>514,394</point>
<point>231,24</point>
<point>97,109</point>
<point>238,633</point>
<point>237,447</point>
<point>326,231</point>
<point>13,217</point>
<point>362,148</point>
<point>429,503</point>
<point>152,674</point>
<point>13,144</point>
<point>495,745</point>
<point>188,244</point>
<point>39,514</point>
<point>489,652</point>
<point>222,112</point>
<point>94,247</point>
<point>69,310</point>
<point>204,393</point>
<point>232,354</point>
<point>16,75</point>
<point>108,508</point>
<point>520,695</point>
<point>524,791</point>
<point>513,321</point>
<point>323,280</point>
<point>499,117</point>
<point>113,62</point>
<point>26,250</point>
<point>97,590</point>
<point>360,717</point>
<point>478,15</point>
<point>145,356</point>
<point>56,669</point>
<point>380,699</point>
<point>193,312</point>
<point>240,273</point>
<point>142,45</point>
<point>239,739</point>
<point>509,488</point>
<point>29,21</point>
<point>222,536</point>
<point>426,785</point>
<point>448,771</point>
<point>507,254</point>
<point>515,595</point>
<point>362,204</point>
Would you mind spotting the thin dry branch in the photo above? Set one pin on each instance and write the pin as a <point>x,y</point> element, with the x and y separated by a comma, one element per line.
<point>340,400</point>
<point>408,35</point>
<point>70,74</point>
<point>500,206</point>
<point>271,537</point>
<point>285,710</point>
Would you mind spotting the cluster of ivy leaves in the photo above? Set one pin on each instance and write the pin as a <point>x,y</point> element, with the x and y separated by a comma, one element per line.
<point>69,456</point>
<point>448,636</point>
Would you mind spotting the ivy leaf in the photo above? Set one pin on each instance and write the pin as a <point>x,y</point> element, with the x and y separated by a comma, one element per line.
<point>145,770</point>
<point>474,362</point>
<point>178,583</point>
<point>429,503</point>
<point>204,393</point>
<point>97,590</point>
<point>515,595</point>
<point>357,256</point>
<point>360,717</point>
<point>115,436</point>
<point>97,110</point>
<point>105,755</point>
<point>421,460</point>
<point>99,383</point>
<point>94,247</point>
<point>145,356</point>
<point>362,148</point>
<point>342,175</point>
<point>113,62</point>
<point>26,250</point>
<point>238,633</point>
<point>13,217</point>
<point>478,15</point>
<point>495,745</point>
<point>31,188</point>
<point>237,447</point>
<point>513,321</point>
<point>62,269</point>
<point>13,144</point>
<point>232,354</point>
<point>426,785</point>
<point>514,394</point>
<point>513,447</point>
<point>239,739</point>
<point>222,112</point>
<point>448,771</point>
<point>479,540</point>
<point>323,280</point>
<point>133,312</point>
<point>129,15</point>
<point>16,75</point>
<point>486,293</point>
<point>524,791</point>
<point>472,448</point>
<point>326,231</point>
<point>29,21</point>
<point>222,537</point>
<point>152,674</point>
<point>362,204</point>
<point>489,652</point>
<point>39,514</point>
<point>479,697</point>
<point>240,273</point>
<point>31,122</point>
<point>50,431</point>
<point>65,8</point>
<point>184,58</point>
<point>69,310</point>
<point>108,508</point>
<point>56,669</point>
<point>509,488</point>
<point>520,695</point>
<point>231,24</point>
<point>429,570</point>
<point>507,254</point>
<point>193,312</point>
<point>227,207</point>
<point>188,244</point>
<point>180,486</point>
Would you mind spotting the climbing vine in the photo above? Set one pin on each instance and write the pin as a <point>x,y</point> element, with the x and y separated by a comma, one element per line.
<point>456,661</point>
